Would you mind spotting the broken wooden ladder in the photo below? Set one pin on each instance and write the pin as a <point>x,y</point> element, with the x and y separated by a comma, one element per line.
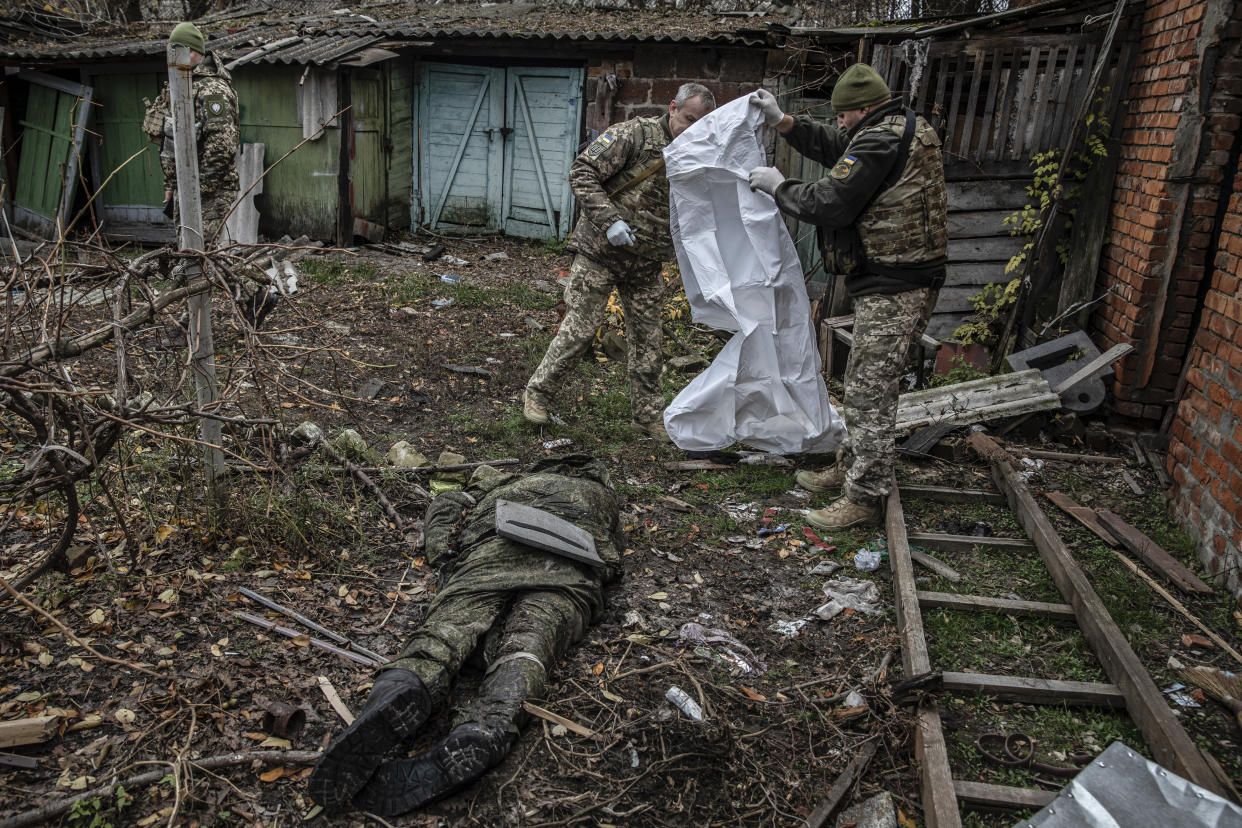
<point>1131,687</point>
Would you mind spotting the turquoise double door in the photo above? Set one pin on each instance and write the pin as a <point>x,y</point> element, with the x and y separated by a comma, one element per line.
<point>494,146</point>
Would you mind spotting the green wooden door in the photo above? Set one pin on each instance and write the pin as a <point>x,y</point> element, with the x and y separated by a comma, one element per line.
<point>118,122</point>
<point>51,139</point>
<point>367,165</point>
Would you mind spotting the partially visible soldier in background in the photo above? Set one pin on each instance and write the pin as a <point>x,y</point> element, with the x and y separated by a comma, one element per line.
<point>622,240</point>
<point>217,133</point>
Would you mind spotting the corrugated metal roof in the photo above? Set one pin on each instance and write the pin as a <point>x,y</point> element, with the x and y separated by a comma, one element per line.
<point>323,39</point>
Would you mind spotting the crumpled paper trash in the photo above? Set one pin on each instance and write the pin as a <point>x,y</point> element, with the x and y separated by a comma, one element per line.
<point>849,593</point>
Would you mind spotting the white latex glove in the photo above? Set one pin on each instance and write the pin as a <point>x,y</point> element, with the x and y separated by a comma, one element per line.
<point>766,101</point>
<point>766,179</point>
<point>620,234</point>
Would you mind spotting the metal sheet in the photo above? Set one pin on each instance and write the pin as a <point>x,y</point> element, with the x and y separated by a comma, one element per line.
<point>544,530</point>
<point>1120,788</point>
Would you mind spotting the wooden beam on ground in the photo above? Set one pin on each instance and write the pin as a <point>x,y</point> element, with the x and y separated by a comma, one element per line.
<point>982,795</point>
<point>1168,740</point>
<point>949,494</point>
<point>1152,554</point>
<point>936,779</point>
<point>1036,690</point>
<point>990,451</point>
<point>981,603</point>
<point>823,812</point>
<point>939,567</point>
<point>965,543</point>
<point>1068,457</point>
<point>27,731</point>
<point>695,465</point>
<point>1087,517</point>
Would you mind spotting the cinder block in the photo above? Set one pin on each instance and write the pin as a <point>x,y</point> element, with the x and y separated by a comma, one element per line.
<point>1061,358</point>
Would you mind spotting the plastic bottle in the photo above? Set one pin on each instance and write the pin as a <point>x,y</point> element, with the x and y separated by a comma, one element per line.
<point>684,703</point>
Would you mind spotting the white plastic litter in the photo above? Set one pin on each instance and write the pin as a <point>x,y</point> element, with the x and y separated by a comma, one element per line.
<point>849,593</point>
<point>741,273</point>
<point>681,699</point>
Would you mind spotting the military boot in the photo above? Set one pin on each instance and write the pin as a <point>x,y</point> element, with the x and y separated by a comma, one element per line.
<point>842,513</point>
<point>832,477</point>
<point>655,429</point>
<point>397,707</point>
<point>533,410</point>
<point>469,751</point>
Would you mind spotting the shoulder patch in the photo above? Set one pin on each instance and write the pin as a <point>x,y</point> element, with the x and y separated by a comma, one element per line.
<point>600,145</point>
<point>844,168</point>
<point>215,106</point>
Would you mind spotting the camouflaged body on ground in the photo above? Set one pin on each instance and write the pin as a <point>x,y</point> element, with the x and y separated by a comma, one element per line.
<point>885,326</point>
<point>217,133</point>
<point>640,284</point>
<point>526,605</point>
<point>604,180</point>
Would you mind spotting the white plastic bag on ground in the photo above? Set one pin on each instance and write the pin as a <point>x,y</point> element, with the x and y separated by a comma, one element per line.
<point>741,273</point>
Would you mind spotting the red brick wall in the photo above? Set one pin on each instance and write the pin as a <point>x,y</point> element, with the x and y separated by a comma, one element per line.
<point>1205,440</point>
<point>1181,115</point>
<point>649,78</point>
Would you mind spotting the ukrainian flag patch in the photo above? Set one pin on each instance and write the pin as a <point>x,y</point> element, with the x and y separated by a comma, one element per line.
<point>850,160</point>
<point>600,144</point>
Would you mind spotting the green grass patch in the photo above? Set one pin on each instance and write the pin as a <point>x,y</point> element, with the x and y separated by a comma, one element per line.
<point>994,642</point>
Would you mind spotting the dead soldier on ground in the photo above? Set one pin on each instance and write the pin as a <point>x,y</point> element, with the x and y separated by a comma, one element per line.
<point>521,606</point>
<point>622,240</point>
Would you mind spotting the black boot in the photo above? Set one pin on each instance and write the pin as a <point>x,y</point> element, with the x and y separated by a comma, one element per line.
<point>398,706</point>
<point>401,785</point>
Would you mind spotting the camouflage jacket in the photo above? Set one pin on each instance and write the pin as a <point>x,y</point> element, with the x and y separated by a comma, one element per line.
<point>460,527</point>
<point>601,182</point>
<point>217,131</point>
<point>884,239</point>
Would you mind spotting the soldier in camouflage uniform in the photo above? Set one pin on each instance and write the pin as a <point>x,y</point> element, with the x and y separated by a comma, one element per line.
<point>217,133</point>
<point>621,240</point>
<point>883,219</point>
<point>525,606</point>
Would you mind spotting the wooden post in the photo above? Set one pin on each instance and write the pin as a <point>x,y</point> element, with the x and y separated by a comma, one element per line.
<point>190,237</point>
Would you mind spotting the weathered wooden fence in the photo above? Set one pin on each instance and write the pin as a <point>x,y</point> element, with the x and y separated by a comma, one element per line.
<point>997,102</point>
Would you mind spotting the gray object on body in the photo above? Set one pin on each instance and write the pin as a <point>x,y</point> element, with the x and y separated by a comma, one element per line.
<point>1120,787</point>
<point>544,530</point>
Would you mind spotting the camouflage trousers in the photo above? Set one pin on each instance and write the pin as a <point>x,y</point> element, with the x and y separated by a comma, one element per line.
<point>641,286</point>
<point>215,208</point>
<point>525,632</point>
<point>885,326</point>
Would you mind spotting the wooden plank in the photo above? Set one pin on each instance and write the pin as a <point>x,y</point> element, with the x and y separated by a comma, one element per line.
<point>1069,457</point>
<point>1032,690</point>
<point>1089,369</point>
<point>937,104</point>
<point>1152,554</point>
<point>978,223</point>
<point>948,494</point>
<point>965,543</point>
<point>939,567</point>
<point>988,194</point>
<point>972,104</point>
<point>989,108</point>
<point>982,603</point>
<point>1169,743</point>
<point>842,785</point>
<point>27,731</point>
<point>1087,517</point>
<point>983,795</point>
<point>938,799</point>
<point>1063,90</point>
<point>987,249</point>
<point>1024,100</point>
<point>1008,91</point>
<point>1042,113</point>
<point>950,128</point>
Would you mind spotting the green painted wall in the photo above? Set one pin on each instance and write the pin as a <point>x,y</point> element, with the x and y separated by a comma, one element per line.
<point>119,113</point>
<point>401,133</point>
<point>300,194</point>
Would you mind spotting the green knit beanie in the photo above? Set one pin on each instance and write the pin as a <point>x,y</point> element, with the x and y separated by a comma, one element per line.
<point>187,34</point>
<point>858,87</point>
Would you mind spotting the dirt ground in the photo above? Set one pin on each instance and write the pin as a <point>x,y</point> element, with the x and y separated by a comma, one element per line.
<point>724,548</point>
